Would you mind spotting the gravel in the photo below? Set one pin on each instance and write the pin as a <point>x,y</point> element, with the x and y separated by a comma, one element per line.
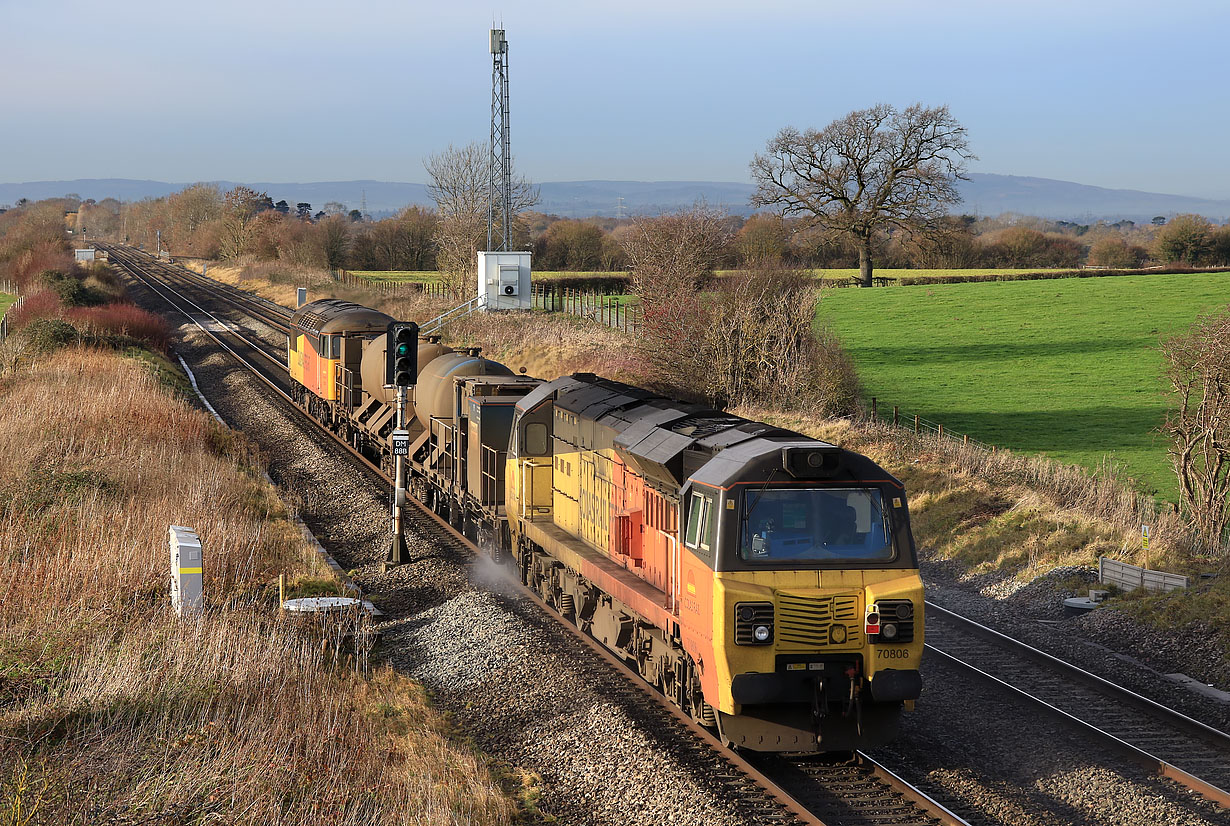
<point>1105,641</point>
<point>996,760</point>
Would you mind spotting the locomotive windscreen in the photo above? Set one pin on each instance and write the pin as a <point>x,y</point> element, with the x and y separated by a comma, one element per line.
<point>845,524</point>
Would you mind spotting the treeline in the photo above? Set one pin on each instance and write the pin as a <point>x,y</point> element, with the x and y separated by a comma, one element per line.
<point>201,221</point>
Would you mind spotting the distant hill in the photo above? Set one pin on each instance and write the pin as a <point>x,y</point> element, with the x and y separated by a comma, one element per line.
<point>984,194</point>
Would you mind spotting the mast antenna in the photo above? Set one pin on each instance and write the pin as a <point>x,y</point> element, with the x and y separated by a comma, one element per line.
<point>499,187</point>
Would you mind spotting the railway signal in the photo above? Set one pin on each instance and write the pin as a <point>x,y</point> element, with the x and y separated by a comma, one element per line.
<point>401,370</point>
<point>402,354</point>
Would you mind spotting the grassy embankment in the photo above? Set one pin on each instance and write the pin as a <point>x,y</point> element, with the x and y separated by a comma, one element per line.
<point>1068,368</point>
<point>114,710</point>
<point>6,301</point>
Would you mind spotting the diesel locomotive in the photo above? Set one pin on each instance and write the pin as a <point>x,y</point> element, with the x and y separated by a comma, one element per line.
<point>764,581</point>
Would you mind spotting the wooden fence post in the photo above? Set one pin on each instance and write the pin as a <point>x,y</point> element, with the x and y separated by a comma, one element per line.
<point>873,408</point>
<point>941,432</point>
<point>915,424</point>
<point>896,416</point>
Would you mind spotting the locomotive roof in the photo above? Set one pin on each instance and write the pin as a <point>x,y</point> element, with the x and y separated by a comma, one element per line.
<point>330,316</point>
<point>670,441</point>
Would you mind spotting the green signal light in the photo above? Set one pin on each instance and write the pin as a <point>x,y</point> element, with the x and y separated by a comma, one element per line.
<point>403,349</point>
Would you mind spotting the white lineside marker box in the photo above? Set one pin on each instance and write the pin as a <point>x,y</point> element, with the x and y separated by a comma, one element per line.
<point>187,570</point>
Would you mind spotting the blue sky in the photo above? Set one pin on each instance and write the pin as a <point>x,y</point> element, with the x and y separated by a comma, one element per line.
<point>1120,94</point>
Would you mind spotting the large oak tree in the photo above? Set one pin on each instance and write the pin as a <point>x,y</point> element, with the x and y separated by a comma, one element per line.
<point>872,170</point>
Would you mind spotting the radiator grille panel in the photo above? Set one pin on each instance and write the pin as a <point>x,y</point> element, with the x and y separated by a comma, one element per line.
<point>810,621</point>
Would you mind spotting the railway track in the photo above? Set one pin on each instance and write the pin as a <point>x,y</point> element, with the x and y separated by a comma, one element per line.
<point>267,312</point>
<point>778,790</point>
<point>1152,736</point>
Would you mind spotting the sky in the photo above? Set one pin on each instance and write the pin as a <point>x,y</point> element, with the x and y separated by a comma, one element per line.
<point>1122,94</point>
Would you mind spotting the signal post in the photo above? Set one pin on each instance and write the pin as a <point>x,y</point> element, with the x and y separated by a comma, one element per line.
<point>400,373</point>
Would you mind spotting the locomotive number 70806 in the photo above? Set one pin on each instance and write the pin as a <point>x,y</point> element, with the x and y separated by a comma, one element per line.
<point>892,654</point>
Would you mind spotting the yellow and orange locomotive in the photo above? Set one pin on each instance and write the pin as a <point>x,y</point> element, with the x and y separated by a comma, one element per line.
<point>765,581</point>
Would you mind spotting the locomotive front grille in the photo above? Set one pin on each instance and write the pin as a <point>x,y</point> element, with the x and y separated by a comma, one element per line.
<point>807,622</point>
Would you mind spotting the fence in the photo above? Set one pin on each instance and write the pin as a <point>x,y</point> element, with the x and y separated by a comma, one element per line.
<point>390,288</point>
<point>11,289</point>
<point>1130,577</point>
<point>920,426</point>
<point>1103,491</point>
<point>611,310</point>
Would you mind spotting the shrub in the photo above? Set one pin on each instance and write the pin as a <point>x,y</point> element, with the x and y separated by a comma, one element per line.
<point>42,304</point>
<point>28,263</point>
<point>71,291</point>
<point>1114,252</point>
<point>47,334</point>
<point>122,320</point>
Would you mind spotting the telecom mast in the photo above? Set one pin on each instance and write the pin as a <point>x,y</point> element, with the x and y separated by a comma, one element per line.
<point>500,182</point>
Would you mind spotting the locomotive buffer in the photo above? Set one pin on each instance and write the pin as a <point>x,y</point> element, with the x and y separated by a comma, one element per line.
<point>400,373</point>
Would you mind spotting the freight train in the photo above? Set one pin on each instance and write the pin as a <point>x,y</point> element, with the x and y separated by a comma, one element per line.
<point>764,581</point>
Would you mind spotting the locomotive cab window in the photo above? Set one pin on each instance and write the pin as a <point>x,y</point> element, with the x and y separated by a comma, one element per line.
<point>536,439</point>
<point>841,524</point>
<point>700,529</point>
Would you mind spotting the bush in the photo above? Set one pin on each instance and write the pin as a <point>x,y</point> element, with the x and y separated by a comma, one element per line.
<point>122,321</point>
<point>71,291</point>
<point>47,334</point>
<point>42,304</point>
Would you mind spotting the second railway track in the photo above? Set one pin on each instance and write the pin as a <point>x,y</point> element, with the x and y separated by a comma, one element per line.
<point>1153,736</point>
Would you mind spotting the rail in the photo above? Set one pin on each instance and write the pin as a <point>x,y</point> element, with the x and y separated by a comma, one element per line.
<point>455,314</point>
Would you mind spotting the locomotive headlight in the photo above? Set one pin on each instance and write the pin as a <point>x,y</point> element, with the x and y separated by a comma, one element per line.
<point>888,631</point>
<point>754,623</point>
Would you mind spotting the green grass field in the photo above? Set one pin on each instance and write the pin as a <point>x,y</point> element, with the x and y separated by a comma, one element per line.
<point>851,273</point>
<point>396,276</point>
<point>1069,368</point>
<point>5,301</point>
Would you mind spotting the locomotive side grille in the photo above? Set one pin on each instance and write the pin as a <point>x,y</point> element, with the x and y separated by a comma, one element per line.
<point>806,621</point>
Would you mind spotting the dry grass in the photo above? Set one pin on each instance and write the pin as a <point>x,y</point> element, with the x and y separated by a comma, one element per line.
<point>550,345</point>
<point>1005,512</point>
<point>273,280</point>
<point>114,710</point>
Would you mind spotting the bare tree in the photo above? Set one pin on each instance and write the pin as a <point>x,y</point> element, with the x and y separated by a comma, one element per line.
<point>459,186</point>
<point>241,206</point>
<point>676,251</point>
<point>334,234</point>
<point>873,169</point>
<point>1198,367</point>
<point>759,346</point>
<point>745,340</point>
